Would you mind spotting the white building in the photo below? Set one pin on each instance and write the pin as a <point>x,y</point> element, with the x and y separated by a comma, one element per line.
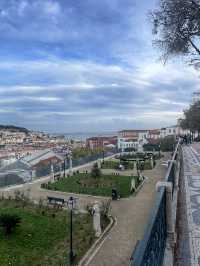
<point>131,139</point>
<point>169,131</point>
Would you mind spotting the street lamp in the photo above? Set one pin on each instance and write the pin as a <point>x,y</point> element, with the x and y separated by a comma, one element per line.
<point>159,150</point>
<point>68,155</point>
<point>103,155</point>
<point>71,205</point>
<point>65,157</point>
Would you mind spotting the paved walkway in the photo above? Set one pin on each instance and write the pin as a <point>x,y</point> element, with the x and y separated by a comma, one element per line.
<point>188,249</point>
<point>132,215</point>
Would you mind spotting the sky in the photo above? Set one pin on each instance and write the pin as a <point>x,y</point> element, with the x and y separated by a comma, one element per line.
<point>87,66</point>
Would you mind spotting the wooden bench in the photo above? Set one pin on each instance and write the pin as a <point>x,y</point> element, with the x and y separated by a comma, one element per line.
<point>59,202</point>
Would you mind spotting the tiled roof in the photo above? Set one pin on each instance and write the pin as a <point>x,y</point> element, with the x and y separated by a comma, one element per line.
<point>35,158</point>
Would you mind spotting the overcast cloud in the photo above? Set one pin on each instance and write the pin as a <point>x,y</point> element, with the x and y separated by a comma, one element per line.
<point>86,66</point>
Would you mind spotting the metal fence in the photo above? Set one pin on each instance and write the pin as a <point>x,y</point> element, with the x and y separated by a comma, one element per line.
<point>150,250</point>
<point>75,162</point>
<point>90,158</point>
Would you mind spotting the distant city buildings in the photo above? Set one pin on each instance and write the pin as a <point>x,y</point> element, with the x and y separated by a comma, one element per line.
<point>135,139</point>
<point>101,142</point>
<point>24,153</point>
<point>131,139</point>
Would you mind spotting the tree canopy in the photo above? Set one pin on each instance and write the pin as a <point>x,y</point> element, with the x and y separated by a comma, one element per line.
<point>177,29</point>
<point>191,118</point>
<point>95,172</point>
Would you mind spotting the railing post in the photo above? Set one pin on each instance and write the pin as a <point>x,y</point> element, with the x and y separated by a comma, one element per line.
<point>169,211</point>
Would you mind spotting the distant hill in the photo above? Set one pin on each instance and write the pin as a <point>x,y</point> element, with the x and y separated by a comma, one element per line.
<point>14,128</point>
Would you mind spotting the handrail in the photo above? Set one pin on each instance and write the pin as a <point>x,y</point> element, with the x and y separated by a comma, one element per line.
<point>150,250</point>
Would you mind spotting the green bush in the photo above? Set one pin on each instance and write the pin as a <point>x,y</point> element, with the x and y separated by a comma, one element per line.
<point>167,144</point>
<point>9,222</point>
<point>95,172</point>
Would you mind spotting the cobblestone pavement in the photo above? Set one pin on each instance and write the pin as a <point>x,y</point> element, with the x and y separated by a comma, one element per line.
<point>132,216</point>
<point>182,249</point>
<point>191,159</point>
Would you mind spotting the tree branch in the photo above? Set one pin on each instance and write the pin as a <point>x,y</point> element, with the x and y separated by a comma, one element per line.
<point>196,4</point>
<point>194,46</point>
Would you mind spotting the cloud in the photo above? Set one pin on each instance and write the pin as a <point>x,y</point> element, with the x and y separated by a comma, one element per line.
<point>86,65</point>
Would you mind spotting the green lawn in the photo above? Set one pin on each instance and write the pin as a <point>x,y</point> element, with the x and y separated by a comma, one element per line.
<point>101,186</point>
<point>42,240</point>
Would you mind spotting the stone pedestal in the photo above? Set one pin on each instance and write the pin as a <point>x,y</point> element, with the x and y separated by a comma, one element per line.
<point>99,163</point>
<point>33,174</point>
<point>140,147</point>
<point>152,163</point>
<point>60,169</point>
<point>96,219</point>
<point>133,184</point>
<point>52,172</point>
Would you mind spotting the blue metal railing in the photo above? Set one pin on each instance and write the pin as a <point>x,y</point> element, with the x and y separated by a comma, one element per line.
<point>150,250</point>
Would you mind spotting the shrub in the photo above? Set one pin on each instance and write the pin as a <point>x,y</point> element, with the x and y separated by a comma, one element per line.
<point>9,222</point>
<point>95,172</point>
<point>167,144</point>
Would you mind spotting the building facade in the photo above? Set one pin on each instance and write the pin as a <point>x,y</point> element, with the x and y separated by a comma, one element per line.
<point>131,139</point>
<point>100,142</point>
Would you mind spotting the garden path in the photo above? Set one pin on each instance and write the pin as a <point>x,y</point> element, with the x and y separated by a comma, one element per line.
<point>132,216</point>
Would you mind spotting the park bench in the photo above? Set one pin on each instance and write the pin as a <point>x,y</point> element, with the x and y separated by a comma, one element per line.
<point>59,202</point>
<point>57,176</point>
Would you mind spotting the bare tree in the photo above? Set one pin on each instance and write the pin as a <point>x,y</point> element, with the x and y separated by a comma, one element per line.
<point>176,26</point>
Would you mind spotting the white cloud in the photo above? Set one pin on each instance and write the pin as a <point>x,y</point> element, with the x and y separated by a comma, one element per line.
<point>95,93</point>
<point>51,8</point>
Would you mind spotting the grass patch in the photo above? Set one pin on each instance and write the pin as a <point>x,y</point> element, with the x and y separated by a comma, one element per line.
<point>41,239</point>
<point>102,186</point>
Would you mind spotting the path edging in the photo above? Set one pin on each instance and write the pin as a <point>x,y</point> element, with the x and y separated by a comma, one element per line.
<point>97,244</point>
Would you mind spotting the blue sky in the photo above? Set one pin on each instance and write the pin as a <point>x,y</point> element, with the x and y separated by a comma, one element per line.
<point>86,65</point>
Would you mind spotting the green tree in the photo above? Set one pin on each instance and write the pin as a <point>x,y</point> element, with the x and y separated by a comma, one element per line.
<point>9,222</point>
<point>167,144</point>
<point>191,118</point>
<point>177,28</point>
<point>95,172</point>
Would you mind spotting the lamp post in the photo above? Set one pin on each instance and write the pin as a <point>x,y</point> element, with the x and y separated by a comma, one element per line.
<point>68,155</point>
<point>103,155</point>
<point>71,204</point>
<point>65,163</point>
<point>159,150</point>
